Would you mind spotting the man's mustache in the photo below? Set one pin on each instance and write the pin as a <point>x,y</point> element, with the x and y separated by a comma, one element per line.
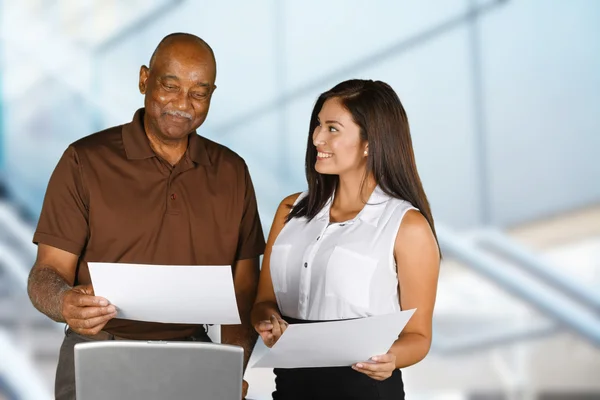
<point>181,114</point>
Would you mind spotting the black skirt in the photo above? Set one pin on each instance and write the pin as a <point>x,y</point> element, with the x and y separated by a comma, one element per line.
<point>333,383</point>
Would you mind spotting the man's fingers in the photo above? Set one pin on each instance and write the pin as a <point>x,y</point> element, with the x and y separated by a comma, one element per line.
<point>244,389</point>
<point>85,289</point>
<point>91,332</point>
<point>84,300</point>
<point>90,312</point>
<point>87,301</point>
<point>91,323</point>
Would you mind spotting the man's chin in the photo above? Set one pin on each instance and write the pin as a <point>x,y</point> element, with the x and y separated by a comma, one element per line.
<point>176,131</point>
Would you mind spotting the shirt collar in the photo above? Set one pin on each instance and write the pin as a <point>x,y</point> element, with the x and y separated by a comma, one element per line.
<point>370,213</point>
<point>137,146</point>
<point>324,213</point>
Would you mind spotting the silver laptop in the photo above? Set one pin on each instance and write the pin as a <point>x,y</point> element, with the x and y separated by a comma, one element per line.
<point>157,370</point>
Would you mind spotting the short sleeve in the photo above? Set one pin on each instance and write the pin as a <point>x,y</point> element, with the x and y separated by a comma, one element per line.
<point>63,220</point>
<point>251,242</point>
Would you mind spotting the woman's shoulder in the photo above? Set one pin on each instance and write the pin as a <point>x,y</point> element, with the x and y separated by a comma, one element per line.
<point>288,203</point>
<point>284,209</point>
<point>293,199</point>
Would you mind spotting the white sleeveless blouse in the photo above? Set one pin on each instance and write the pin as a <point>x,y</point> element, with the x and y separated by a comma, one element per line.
<point>322,271</point>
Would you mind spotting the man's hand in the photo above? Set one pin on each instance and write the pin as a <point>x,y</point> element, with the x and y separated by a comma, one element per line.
<point>271,330</point>
<point>85,313</point>
<point>244,389</point>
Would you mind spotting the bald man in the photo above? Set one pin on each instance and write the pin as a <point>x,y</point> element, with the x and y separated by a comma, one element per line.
<point>151,191</point>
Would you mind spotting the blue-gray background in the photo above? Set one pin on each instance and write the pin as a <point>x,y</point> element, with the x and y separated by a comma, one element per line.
<point>503,99</point>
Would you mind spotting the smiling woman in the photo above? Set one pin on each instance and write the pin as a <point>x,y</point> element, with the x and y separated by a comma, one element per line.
<point>360,242</point>
<point>337,140</point>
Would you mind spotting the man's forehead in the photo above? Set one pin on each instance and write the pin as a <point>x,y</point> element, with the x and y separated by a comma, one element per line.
<point>185,56</point>
<point>186,63</point>
<point>183,48</point>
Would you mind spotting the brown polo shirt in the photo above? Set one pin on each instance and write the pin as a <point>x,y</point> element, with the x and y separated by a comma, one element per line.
<point>112,199</point>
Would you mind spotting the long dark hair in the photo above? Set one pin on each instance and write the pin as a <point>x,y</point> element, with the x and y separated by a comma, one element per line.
<point>377,110</point>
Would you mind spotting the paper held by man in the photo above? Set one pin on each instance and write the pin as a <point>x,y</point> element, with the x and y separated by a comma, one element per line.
<point>332,344</point>
<point>180,294</point>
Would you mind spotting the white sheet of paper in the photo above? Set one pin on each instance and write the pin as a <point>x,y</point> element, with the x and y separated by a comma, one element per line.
<point>179,294</point>
<point>332,344</point>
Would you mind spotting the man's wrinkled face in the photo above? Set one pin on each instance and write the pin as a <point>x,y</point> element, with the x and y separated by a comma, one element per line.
<point>178,87</point>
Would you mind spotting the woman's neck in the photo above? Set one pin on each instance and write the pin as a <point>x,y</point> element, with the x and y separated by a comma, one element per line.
<point>351,196</point>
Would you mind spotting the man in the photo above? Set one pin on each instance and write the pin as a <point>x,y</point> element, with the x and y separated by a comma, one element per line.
<point>151,192</point>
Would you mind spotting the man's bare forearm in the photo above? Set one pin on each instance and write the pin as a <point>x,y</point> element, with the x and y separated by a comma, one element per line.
<point>242,335</point>
<point>46,288</point>
<point>245,281</point>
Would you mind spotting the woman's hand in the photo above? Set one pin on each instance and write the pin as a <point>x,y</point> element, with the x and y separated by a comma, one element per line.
<point>379,367</point>
<point>271,330</point>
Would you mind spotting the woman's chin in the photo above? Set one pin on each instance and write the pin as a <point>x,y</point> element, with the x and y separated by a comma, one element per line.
<point>325,170</point>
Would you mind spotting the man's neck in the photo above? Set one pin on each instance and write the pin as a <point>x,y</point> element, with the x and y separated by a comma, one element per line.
<point>170,151</point>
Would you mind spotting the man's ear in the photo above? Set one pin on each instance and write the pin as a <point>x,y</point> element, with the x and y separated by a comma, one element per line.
<point>144,74</point>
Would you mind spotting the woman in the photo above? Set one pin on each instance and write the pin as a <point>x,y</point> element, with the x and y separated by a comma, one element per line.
<point>360,242</point>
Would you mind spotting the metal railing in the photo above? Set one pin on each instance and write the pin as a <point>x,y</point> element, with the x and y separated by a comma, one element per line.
<point>567,303</point>
<point>18,370</point>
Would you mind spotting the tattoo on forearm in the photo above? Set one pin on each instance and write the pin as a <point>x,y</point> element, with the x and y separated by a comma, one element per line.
<point>45,288</point>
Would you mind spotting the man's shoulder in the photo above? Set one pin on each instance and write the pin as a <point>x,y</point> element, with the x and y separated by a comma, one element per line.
<point>219,153</point>
<point>101,139</point>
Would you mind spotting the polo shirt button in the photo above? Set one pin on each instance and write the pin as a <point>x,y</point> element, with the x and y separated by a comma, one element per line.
<point>173,196</point>
<point>305,265</point>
